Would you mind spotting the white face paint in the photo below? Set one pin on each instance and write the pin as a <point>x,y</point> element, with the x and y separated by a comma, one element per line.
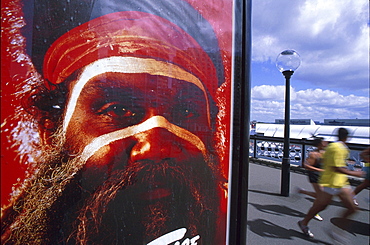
<point>120,64</point>
<point>153,122</point>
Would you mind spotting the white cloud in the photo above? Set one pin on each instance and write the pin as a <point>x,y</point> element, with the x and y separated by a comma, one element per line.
<point>317,104</point>
<point>332,37</point>
<point>268,92</point>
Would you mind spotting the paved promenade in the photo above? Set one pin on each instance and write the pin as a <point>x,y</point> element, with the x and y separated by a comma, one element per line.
<point>272,219</point>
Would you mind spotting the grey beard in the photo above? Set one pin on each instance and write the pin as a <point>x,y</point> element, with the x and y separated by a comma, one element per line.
<point>51,185</point>
<point>40,192</point>
<point>115,209</point>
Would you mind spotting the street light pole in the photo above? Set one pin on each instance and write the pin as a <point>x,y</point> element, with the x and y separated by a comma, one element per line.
<point>287,62</point>
<point>285,166</point>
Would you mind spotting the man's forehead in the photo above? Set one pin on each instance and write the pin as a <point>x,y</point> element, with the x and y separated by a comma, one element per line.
<point>141,85</point>
<point>142,80</point>
<point>124,65</point>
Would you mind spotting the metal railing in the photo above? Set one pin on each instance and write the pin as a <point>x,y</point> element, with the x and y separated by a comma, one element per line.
<point>271,148</point>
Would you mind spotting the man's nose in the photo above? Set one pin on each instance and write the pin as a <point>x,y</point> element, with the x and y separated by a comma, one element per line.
<point>157,144</point>
<point>159,109</point>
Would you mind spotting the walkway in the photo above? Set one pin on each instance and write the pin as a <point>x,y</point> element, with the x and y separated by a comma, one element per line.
<point>272,219</point>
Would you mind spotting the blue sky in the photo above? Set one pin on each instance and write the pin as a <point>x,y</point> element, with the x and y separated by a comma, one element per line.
<point>332,38</point>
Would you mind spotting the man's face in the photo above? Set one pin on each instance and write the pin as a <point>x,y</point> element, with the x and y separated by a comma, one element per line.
<point>114,101</point>
<point>149,136</point>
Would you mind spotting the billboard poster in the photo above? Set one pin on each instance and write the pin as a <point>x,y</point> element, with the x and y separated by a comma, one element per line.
<point>116,121</point>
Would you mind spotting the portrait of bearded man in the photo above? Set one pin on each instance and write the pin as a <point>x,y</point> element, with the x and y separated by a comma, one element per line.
<point>127,122</point>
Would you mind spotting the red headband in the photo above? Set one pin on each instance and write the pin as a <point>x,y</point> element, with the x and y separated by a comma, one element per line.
<point>128,33</point>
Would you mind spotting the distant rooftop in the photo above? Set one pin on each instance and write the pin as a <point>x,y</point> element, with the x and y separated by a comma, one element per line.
<point>347,122</point>
<point>332,122</point>
<point>296,121</point>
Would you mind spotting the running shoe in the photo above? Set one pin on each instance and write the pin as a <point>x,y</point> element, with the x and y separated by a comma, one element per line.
<point>298,190</point>
<point>305,229</point>
<point>355,201</point>
<point>318,217</point>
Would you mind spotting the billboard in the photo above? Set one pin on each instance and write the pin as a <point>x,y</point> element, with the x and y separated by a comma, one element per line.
<point>117,121</point>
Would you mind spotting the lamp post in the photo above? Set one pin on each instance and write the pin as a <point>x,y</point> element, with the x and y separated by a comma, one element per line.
<point>287,62</point>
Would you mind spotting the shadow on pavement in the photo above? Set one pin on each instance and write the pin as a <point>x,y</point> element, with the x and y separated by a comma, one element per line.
<point>265,192</point>
<point>267,229</point>
<point>277,210</point>
<point>354,226</point>
<point>335,203</point>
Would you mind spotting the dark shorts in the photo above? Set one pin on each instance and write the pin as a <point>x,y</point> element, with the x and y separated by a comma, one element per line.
<point>313,177</point>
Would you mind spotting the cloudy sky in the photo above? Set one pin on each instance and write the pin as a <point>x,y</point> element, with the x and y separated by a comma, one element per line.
<point>332,38</point>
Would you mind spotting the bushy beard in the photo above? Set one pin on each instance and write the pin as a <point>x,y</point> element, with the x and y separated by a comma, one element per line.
<point>57,210</point>
<point>117,213</point>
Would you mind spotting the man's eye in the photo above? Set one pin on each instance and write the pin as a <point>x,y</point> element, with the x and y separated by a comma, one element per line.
<point>188,112</point>
<point>116,110</point>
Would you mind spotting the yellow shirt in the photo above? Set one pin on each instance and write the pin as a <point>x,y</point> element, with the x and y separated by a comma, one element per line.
<point>335,156</point>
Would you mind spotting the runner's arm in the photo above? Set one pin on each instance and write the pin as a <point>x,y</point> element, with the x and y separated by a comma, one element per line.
<point>310,161</point>
<point>344,170</point>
